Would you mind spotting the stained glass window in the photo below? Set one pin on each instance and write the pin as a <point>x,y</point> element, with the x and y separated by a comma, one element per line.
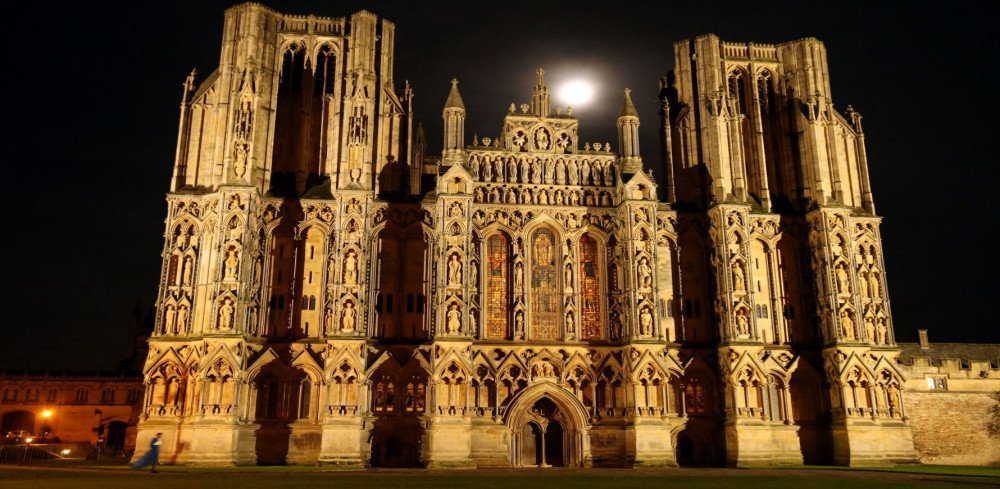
<point>544,287</point>
<point>590,298</point>
<point>497,297</point>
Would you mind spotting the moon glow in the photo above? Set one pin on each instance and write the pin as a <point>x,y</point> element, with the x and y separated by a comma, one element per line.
<point>576,93</point>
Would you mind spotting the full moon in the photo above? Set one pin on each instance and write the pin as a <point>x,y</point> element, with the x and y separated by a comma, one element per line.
<point>576,92</point>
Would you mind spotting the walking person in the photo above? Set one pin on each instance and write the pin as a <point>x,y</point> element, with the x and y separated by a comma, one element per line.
<point>152,457</point>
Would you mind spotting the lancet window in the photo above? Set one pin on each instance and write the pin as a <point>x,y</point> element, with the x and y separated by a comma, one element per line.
<point>590,297</point>
<point>544,286</point>
<point>497,285</point>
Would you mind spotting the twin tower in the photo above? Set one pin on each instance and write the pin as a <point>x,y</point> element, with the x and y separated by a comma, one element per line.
<point>331,295</point>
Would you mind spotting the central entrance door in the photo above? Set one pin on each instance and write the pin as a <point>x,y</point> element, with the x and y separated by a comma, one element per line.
<point>543,439</point>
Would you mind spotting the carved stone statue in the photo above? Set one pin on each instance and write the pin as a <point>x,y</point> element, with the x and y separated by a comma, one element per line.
<point>847,325</point>
<point>171,320</point>
<point>186,272</point>
<point>519,325</point>
<point>473,275</point>
<point>870,329</point>
<point>739,277</point>
<point>351,268</point>
<point>548,370</point>
<point>881,331</point>
<point>645,274</point>
<point>742,323</point>
<point>542,139</point>
<point>518,277</point>
<point>182,313</point>
<point>347,320</point>
<point>498,169</point>
<point>232,260</point>
<point>226,311</point>
<point>454,270</point>
<point>570,326</point>
<point>454,319</point>
<point>240,151</point>
<point>646,322</point>
<point>568,278</point>
<point>328,319</point>
<point>863,285</point>
<point>843,280</point>
<point>895,402</point>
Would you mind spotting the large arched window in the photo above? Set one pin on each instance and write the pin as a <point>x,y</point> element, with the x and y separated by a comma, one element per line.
<point>590,283</point>
<point>544,286</point>
<point>497,285</point>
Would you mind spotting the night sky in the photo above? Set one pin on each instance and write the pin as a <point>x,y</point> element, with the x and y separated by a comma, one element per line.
<point>91,112</point>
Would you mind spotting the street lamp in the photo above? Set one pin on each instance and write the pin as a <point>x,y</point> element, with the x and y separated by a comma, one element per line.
<point>46,429</point>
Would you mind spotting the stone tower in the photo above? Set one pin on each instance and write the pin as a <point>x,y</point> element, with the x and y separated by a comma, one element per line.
<point>752,143</point>
<point>281,151</point>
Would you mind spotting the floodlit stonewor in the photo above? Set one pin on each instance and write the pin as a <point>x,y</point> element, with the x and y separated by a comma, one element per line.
<point>331,295</point>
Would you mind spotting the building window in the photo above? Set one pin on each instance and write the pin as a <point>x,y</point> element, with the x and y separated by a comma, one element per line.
<point>497,285</point>
<point>81,395</point>
<point>10,394</point>
<point>134,395</point>
<point>937,384</point>
<point>590,297</point>
<point>544,300</point>
<point>108,396</point>
<point>53,395</point>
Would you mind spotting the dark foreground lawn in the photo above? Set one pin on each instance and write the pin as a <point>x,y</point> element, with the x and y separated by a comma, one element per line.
<point>292,478</point>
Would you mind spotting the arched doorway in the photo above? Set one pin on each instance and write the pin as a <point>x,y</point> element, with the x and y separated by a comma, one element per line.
<point>396,443</point>
<point>543,439</point>
<point>696,448</point>
<point>685,451</point>
<point>17,421</point>
<point>116,434</point>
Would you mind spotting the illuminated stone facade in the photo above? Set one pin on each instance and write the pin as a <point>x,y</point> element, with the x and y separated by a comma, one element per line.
<point>328,295</point>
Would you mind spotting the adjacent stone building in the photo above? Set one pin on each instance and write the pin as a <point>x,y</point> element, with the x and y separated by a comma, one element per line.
<point>952,397</point>
<point>73,407</point>
<point>330,295</point>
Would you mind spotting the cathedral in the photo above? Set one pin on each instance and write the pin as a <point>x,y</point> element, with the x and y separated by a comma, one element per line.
<point>331,295</point>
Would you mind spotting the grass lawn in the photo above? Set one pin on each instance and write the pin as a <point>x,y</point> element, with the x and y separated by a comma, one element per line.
<point>970,470</point>
<point>291,478</point>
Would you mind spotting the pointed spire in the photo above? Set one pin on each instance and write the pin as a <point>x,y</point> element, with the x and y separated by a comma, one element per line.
<point>628,110</point>
<point>540,104</point>
<point>454,99</point>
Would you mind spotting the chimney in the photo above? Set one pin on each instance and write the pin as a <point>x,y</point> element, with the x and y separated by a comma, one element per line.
<point>924,343</point>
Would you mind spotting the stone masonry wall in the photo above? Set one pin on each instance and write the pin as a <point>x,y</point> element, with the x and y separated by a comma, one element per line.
<point>950,428</point>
